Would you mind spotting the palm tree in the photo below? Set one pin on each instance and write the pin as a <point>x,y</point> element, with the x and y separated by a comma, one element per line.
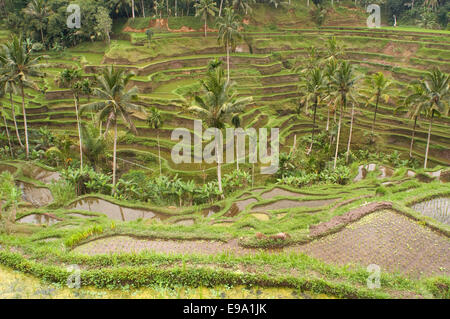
<point>229,33</point>
<point>379,84</point>
<point>22,63</point>
<point>343,84</point>
<point>116,102</point>
<point>39,10</point>
<point>94,145</point>
<point>312,61</point>
<point>218,103</point>
<point>8,86</point>
<point>2,111</point>
<point>72,79</point>
<point>155,121</point>
<point>206,9</point>
<point>416,106</point>
<point>431,97</point>
<point>334,48</point>
<point>314,86</point>
<point>330,70</point>
<point>243,5</point>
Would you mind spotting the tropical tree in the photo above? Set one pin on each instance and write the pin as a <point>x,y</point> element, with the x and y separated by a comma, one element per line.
<point>22,63</point>
<point>72,79</point>
<point>104,23</point>
<point>39,10</point>
<point>334,48</point>
<point>414,103</point>
<point>217,105</point>
<point>229,33</point>
<point>330,69</point>
<point>314,86</point>
<point>116,101</point>
<point>378,84</point>
<point>432,97</point>
<point>243,5</point>
<point>94,144</point>
<point>2,111</point>
<point>8,86</point>
<point>155,121</point>
<point>343,85</point>
<point>205,9</point>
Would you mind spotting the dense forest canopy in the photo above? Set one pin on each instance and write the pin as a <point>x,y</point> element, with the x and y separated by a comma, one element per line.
<point>44,21</point>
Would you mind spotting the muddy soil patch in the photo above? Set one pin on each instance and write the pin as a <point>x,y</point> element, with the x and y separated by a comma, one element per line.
<point>127,244</point>
<point>37,196</point>
<point>286,203</point>
<point>388,239</point>
<point>279,192</point>
<point>342,220</point>
<point>114,211</point>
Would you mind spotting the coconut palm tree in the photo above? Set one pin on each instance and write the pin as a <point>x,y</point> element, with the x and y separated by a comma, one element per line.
<point>243,5</point>
<point>330,68</point>
<point>217,105</point>
<point>334,48</point>
<point>8,86</point>
<point>2,111</point>
<point>72,79</point>
<point>116,101</point>
<point>39,10</point>
<point>431,97</point>
<point>343,85</point>
<point>314,86</point>
<point>94,145</point>
<point>229,33</point>
<point>155,121</point>
<point>22,63</point>
<point>378,84</point>
<point>206,9</point>
<point>414,104</point>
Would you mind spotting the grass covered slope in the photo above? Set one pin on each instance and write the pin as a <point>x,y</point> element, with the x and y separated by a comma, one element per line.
<point>305,238</point>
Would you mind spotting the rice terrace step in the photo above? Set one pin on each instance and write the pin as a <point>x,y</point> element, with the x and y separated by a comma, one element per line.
<point>214,149</point>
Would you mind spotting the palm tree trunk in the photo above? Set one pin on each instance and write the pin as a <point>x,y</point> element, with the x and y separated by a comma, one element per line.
<point>328,119</point>
<point>132,8</point>
<point>75,97</point>
<point>228,62</point>
<point>114,157</point>
<point>7,134</point>
<point>219,169</point>
<point>25,121</point>
<point>159,156</point>
<point>337,139</point>
<point>253,174</point>
<point>237,152</point>
<point>375,113</point>
<point>428,140</point>
<point>143,8</point>
<point>220,8</point>
<point>13,113</point>
<point>42,36</point>
<point>314,125</point>
<point>412,137</point>
<point>350,135</point>
<point>205,27</point>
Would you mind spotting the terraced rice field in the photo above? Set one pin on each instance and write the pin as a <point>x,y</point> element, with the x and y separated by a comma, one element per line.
<point>438,208</point>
